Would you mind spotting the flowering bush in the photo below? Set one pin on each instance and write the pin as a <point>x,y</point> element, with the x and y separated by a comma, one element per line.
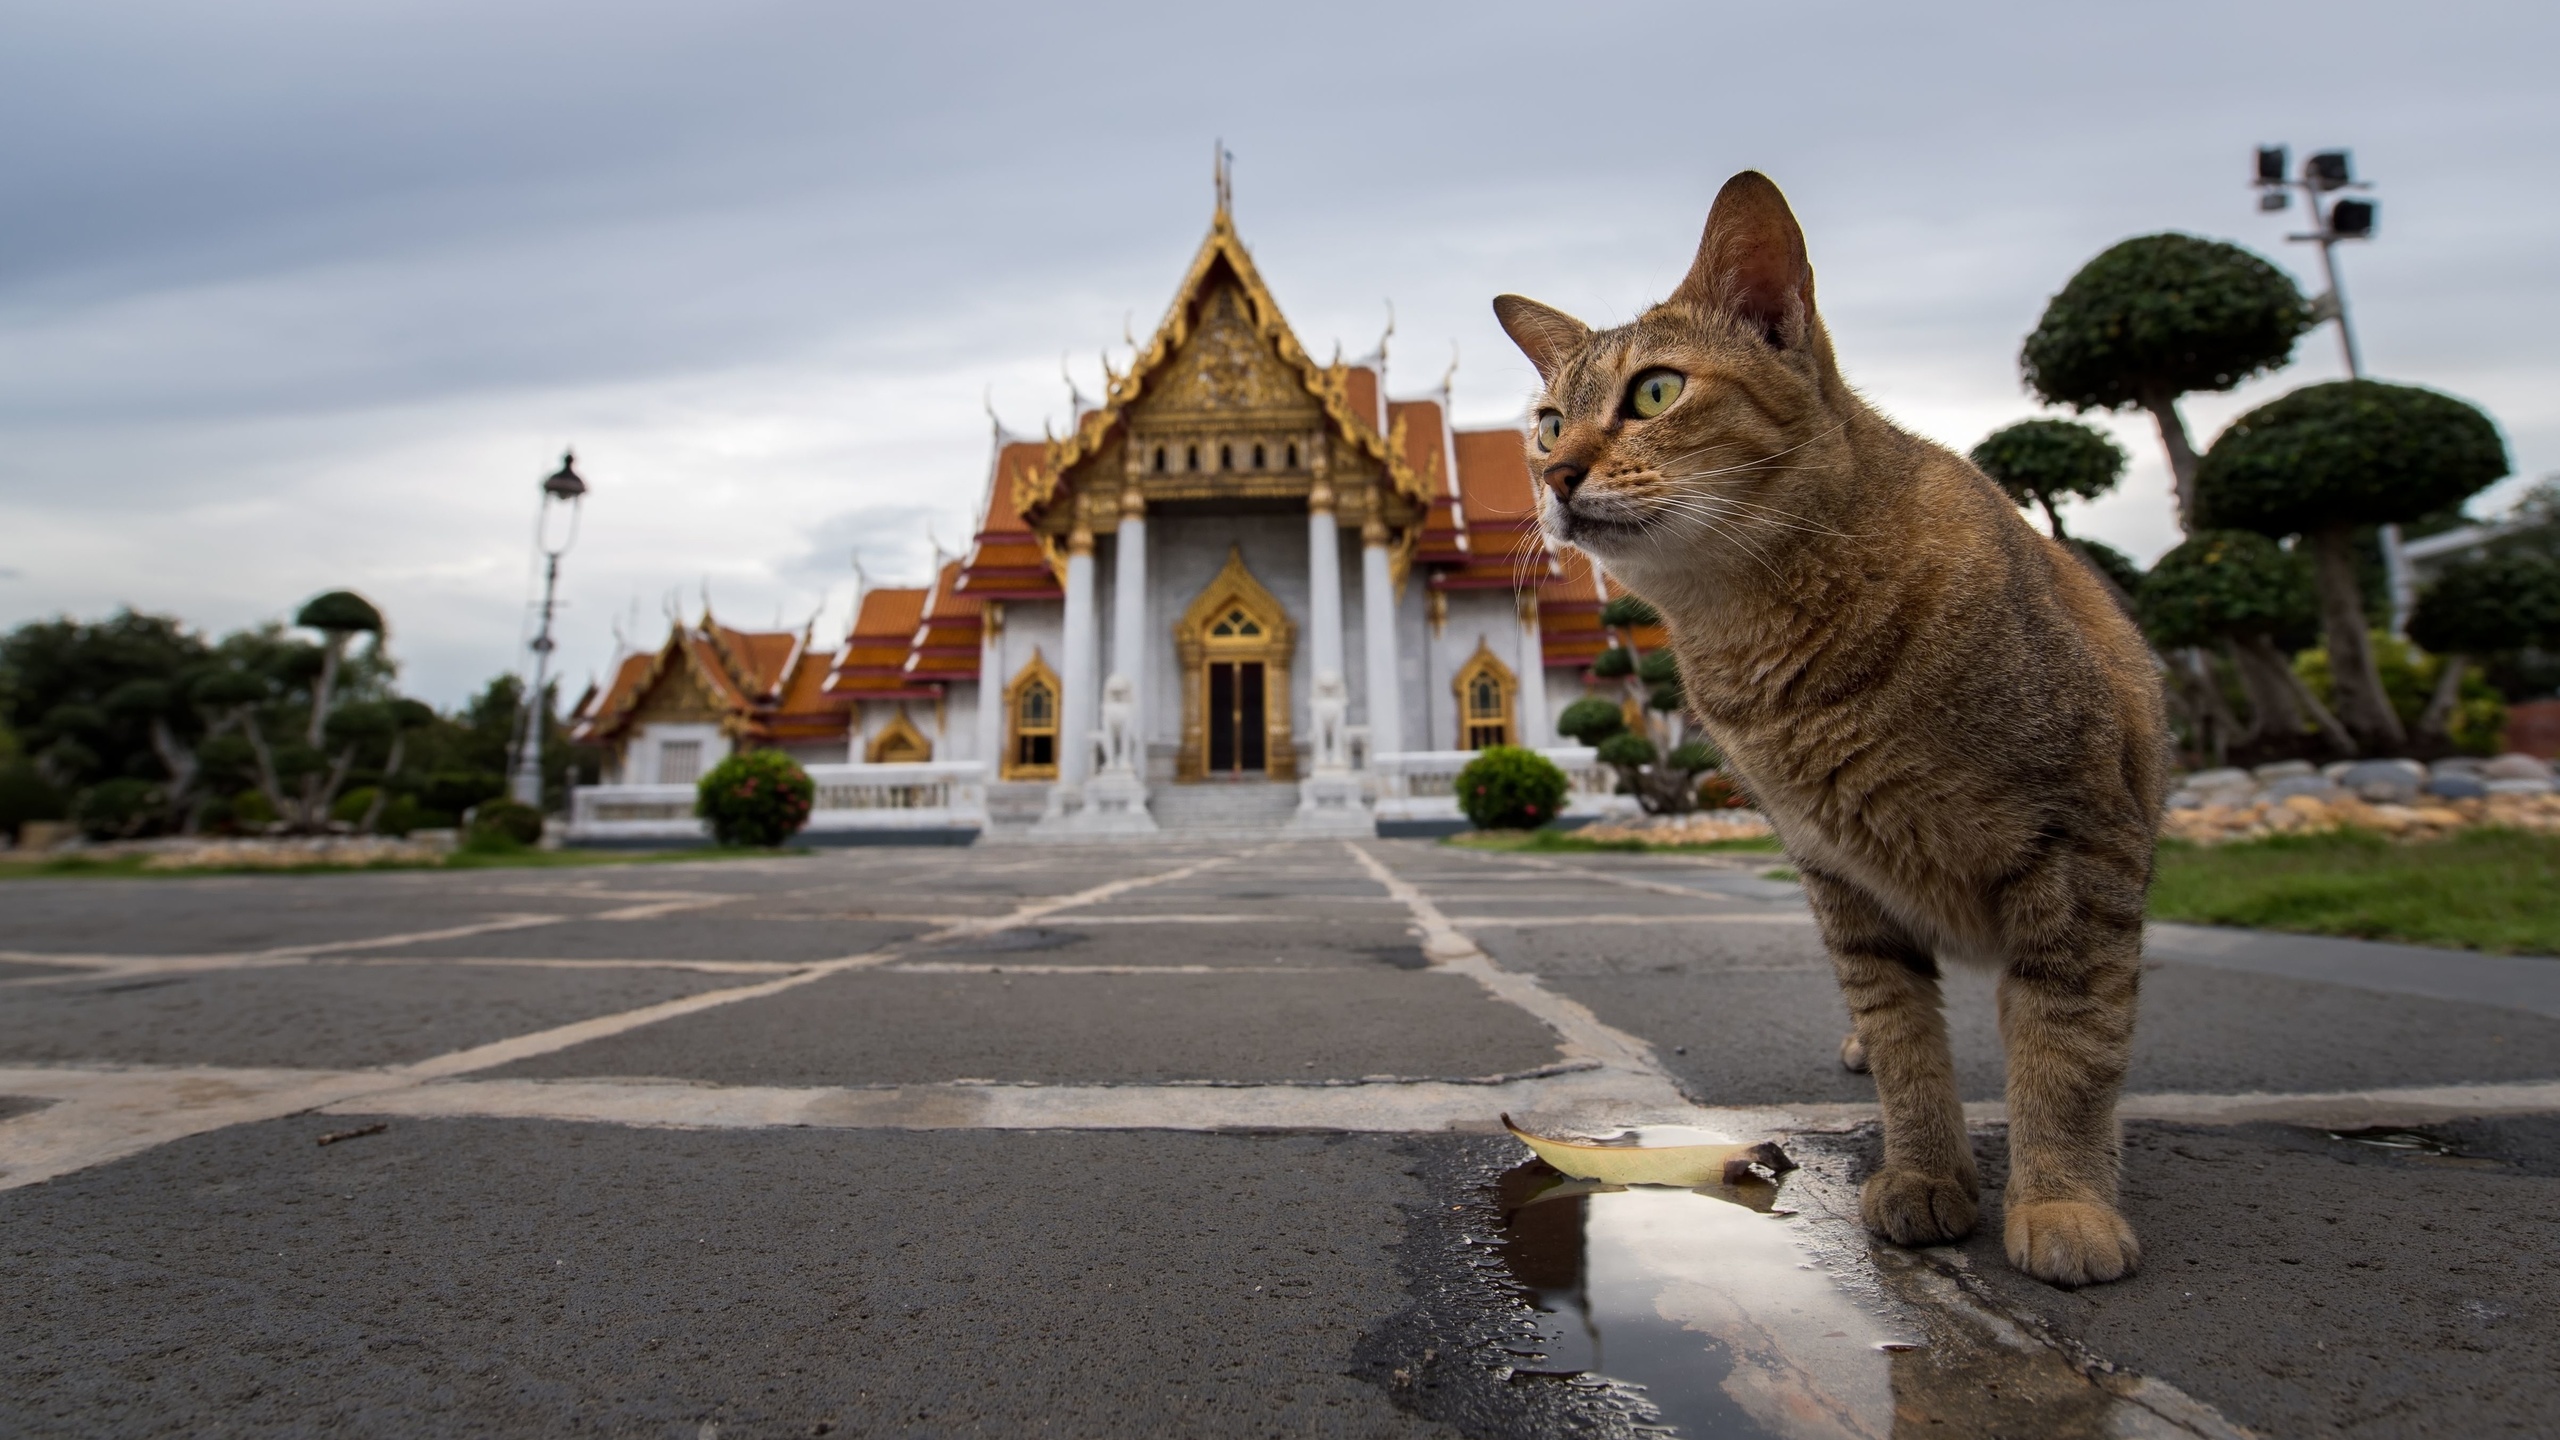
<point>757,797</point>
<point>1508,788</point>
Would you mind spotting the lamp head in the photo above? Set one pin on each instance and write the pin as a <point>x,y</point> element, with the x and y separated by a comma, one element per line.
<point>564,483</point>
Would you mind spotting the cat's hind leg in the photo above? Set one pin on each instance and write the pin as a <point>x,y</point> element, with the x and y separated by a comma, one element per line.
<point>2067,1025</point>
<point>1928,1189</point>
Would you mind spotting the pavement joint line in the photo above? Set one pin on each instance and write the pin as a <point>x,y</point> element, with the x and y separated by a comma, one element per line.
<point>1631,882</point>
<point>147,1108</point>
<point>1532,922</point>
<point>535,962</point>
<point>1581,1033</point>
<point>961,967</point>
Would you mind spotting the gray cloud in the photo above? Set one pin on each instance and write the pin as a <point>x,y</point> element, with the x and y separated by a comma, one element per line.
<point>297,295</point>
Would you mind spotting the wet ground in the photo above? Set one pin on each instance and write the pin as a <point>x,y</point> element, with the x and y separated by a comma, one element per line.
<point>1145,1141</point>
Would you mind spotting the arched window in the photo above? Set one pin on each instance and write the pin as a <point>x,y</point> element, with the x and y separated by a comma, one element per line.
<point>1257,455</point>
<point>1485,694</point>
<point>900,743</point>
<point>1159,459</point>
<point>1226,457</point>
<point>1031,722</point>
<point>1191,457</point>
<point>1293,454</point>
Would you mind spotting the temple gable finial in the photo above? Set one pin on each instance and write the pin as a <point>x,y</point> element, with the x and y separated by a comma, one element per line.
<point>1224,163</point>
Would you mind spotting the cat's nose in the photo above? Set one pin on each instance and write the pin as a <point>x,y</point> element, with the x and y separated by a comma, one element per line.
<point>1565,477</point>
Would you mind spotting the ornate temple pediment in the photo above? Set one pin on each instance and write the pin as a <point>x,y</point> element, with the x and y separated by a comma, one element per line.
<point>1222,402</point>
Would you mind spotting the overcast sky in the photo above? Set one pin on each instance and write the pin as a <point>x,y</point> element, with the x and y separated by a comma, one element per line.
<point>295,296</point>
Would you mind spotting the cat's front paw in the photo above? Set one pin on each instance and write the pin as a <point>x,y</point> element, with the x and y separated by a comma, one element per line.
<point>1910,1208</point>
<point>1853,1054</point>
<point>2070,1242</point>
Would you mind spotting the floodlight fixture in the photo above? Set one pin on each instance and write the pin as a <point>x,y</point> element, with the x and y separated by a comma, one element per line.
<point>2274,199</point>
<point>2351,219</point>
<point>2327,170</point>
<point>2271,164</point>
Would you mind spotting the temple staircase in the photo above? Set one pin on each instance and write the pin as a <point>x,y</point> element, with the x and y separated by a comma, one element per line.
<point>1223,810</point>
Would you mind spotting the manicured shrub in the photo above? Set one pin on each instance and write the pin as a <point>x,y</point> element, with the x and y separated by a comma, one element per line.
<point>759,797</point>
<point>25,796</point>
<point>499,824</point>
<point>1508,788</point>
<point>117,809</point>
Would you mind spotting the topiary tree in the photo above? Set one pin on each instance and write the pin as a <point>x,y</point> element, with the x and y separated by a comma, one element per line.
<point>755,797</point>
<point>340,616</point>
<point>2157,317</point>
<point>2118,567</point>
<point>2044,462</point>
<point>1662,784</point>
<point>2240,590</point>
<point>1507,787</point>
<point>2328,458</point>
<point>2486,606</point>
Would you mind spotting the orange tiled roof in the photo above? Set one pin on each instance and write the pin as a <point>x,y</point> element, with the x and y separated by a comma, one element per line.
<point>1569,629</point>
<point>872,664</point>
<point>1499,509</point>
<point>1005,562</point>
<point>1360,394</point>
<point>1444,525</point>
<point>757,678</point>
<point>945,644</point>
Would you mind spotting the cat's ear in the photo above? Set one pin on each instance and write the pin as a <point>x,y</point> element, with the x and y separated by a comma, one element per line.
<point>1751,262</point>
<point>1545,334</point>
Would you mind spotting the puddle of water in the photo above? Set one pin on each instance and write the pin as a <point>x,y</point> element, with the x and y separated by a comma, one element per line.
<point>2415,1144</point>
<point>1702,1300</point>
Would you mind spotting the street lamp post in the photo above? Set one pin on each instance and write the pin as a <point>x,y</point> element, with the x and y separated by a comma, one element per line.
<point>2324,173</point>
<point>562,490</point>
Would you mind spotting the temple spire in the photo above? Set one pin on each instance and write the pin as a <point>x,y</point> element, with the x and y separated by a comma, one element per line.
<point>1224,163</point>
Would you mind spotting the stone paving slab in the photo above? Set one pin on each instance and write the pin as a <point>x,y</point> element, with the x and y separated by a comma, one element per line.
<point>315,1016</point>
<point>718,936</point>
<point>885,1028</point>
<point>1096,937</point>
<point>493,1277</point>
<point>2311,1286</point>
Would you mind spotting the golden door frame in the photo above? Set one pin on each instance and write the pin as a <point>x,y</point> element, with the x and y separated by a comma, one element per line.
<point>1234,588</point>
<point>900,734</point>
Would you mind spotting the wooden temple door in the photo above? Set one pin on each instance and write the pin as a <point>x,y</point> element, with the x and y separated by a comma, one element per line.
<point>1236,716</point>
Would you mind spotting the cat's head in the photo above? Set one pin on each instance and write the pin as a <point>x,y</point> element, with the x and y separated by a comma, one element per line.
<point>1692,439</point>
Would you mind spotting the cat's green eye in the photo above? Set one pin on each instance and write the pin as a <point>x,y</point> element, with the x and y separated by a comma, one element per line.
<point>1653,393</point>
<point>1550,430</point>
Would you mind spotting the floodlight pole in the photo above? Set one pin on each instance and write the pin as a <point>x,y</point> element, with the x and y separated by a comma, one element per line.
<point>563,488</point>
<point>2314,183</point>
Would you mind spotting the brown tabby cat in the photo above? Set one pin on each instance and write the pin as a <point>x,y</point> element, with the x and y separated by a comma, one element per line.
<point>1958,735</point>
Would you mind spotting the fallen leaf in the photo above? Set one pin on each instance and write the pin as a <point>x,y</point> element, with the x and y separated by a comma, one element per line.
<point>1686,1166</point>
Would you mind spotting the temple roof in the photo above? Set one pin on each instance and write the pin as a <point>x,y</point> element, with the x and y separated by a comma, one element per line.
<point>759,684</point>
<point>1005,560</point>
<point>1498,510</point>
<point>873,663</point>
<point>944,645</point>
<point>1343,399</point>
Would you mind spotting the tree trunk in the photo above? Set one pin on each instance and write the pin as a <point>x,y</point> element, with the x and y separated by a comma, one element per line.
<point>2052,518</point>
<point>2435,724</point>
<point>2209,713</point>
<point>321,692</point>
<point>382,791</point>
<point>268,784</point>
<point>2354,678</point>
<point>2163,406</point>
<point>2271,661</point>
<point>2272,713</point>
<point>180,762</point>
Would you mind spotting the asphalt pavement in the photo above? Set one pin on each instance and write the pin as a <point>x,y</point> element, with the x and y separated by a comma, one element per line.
<point>1201,1140</point>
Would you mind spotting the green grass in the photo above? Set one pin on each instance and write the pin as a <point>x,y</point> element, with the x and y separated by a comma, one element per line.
<point>1572,841</point>
<point>2496,890</point>
<point>527,858</point>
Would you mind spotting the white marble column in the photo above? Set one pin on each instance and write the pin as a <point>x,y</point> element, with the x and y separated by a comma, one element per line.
<point>1129,611</point>
<point>1081,676</point>
<point>1324,585</point>
<point>1378,631</point>
<point>993,676</point>
<point>1533,677</point>
<point>1329,798</point>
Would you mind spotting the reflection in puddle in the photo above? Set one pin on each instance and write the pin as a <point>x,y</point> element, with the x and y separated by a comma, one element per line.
<point>1700,1298</point>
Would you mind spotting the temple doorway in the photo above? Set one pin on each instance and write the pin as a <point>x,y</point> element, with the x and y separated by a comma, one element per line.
<point>1235,642</point>
<point>1236,738</point>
